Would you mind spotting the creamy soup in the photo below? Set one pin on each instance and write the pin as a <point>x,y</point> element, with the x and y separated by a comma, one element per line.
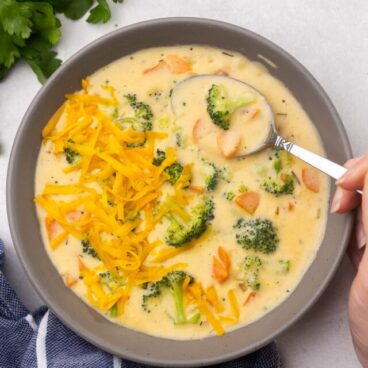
<point>147,213</point>
<point>244,130</point>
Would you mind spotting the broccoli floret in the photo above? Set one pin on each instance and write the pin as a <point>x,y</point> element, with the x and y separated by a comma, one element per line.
<point>251,268</point>
<point>220,106</point>
<point>70,155</point>
<point>179,233</point>
<point>88,249</point>
<point>136,144</point>
<point>279,186</point>
<point>212,178</point>
<point>142,112</point>
<point>281,182</point>
<point>259,234</point>
<point>178,139</point>
<point>105,276</point>
<point>172,282</point>
<point>229,196</point>
<point>110,281</point>
<point>283,266</point>
<point>243,188</point>
<point>114,311</point>
<point>174,170</point>
<point>160,158</point>
<point>277,165</point>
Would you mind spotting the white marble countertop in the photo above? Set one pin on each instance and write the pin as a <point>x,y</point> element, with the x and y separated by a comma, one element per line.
<point>328,37</point>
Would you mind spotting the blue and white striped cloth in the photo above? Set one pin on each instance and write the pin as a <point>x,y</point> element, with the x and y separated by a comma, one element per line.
<point>40,340</point>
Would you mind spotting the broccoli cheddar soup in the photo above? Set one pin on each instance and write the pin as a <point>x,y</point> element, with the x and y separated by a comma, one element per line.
<point>148,214</point>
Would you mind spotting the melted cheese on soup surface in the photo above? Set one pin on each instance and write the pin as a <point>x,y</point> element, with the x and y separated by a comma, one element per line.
<point>108,214</point>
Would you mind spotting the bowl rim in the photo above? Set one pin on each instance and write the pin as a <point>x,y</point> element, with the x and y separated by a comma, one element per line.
<point>11,178</point>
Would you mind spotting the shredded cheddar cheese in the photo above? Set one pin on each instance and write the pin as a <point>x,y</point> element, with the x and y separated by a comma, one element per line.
<point>117,182</point>
<point>197,292</point>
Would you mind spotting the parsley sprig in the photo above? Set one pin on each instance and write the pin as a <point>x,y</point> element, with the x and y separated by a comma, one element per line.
<point>30,29</point>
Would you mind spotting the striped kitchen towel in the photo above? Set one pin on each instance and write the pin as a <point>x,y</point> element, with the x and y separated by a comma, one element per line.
<point>40,340</point>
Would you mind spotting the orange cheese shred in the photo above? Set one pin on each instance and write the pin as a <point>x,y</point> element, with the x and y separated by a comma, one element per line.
<point>197,293</point>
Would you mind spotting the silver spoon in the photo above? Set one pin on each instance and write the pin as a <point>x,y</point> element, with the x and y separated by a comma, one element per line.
<point>273,139</point>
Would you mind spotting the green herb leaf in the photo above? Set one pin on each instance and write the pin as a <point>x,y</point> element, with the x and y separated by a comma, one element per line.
<point>39,56</point>
<point>15,18</point>
<point>3,71</point>
<point>9,52</point>
<point>100,13</point>
<point>29,29</point>
<point>73,9</point>
<point>45,23</point>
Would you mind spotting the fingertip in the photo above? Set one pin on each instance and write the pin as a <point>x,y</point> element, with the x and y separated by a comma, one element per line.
<point>344,201</point>
<point>353,179</point>
<point>336,200</point>
<point>348,165</point>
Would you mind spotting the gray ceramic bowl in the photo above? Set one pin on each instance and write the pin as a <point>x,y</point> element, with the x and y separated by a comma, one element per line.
<point>25,230</point>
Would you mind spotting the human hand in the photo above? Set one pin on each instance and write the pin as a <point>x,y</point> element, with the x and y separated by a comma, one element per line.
<point>346,199</point>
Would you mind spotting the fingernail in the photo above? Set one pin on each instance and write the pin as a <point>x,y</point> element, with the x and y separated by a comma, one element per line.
<point>336,201</point>
<point>360,236</point>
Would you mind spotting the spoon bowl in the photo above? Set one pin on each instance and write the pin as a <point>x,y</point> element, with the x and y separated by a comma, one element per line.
<point>269,137</point>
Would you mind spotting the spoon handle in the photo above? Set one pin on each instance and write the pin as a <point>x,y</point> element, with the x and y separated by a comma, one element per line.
<point>323,164</point>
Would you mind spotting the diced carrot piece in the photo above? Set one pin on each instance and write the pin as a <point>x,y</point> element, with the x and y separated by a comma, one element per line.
<point>161,66</point>
<point>221,266</point>
<point>248,201</point>
<point>220,273</point>
<point>49,224</point>
<point>224,257</point>
<point>222,72</point>
<point>249,297</point>
<point>311,179</point>
<point>69,280</point>
<point>58,239</point>
<point>228,143</point>
<point>252,112</point>
<point>199,130</point>
<point>53,228</point>
<point>73,216</point>
<point>196,189</point>
<point>178,65</point>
